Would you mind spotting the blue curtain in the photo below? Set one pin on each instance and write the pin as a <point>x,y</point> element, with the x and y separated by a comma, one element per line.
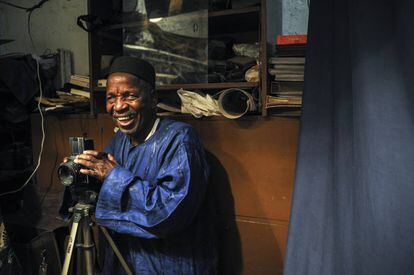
<point>353,201</point>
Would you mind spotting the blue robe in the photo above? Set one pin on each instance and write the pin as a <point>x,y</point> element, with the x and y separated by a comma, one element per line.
<point>155,204</point>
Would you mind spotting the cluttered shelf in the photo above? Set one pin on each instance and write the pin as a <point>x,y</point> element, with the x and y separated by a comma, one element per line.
<point>286,68</point>
<point>226,106</point>
<point>231,99</point>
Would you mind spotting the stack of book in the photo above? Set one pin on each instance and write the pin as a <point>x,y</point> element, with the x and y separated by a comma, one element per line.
<point>287,67</point>
<point>80,84</point>
<point>291,45</point>
<point>80,80</point>
<point>83,81</point>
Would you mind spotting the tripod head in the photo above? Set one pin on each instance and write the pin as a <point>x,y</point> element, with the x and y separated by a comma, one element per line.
<point>82,210</point>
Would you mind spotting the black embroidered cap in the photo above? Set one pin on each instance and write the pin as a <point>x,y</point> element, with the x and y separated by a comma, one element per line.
<point>135,66</point>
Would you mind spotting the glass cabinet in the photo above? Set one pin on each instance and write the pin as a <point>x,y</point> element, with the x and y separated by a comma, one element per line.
<point>198,45</point>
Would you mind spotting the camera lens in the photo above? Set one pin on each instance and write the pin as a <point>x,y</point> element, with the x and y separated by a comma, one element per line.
<point>67,173</point>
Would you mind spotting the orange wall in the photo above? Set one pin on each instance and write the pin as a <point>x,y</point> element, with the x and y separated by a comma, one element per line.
<point>253,164</point>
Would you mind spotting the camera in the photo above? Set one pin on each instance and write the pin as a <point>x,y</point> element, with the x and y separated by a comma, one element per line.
<point>69,172</point>
<point>82,187</point>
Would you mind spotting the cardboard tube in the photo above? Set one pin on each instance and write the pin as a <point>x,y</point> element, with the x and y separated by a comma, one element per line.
<point>234,103</point>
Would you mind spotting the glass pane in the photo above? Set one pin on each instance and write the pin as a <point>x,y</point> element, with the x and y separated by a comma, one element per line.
<point>171,35</point>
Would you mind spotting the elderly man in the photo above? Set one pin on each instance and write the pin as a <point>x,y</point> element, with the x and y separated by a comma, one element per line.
<point>153,195</point>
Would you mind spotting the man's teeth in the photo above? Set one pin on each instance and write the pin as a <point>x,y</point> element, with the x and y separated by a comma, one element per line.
<point>124,118</point>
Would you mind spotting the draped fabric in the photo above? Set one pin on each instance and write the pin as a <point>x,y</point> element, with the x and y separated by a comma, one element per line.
<point>155,204</point>
<point>353,201</point>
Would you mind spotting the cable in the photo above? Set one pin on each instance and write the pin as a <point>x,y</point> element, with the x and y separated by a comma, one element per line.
<point>29,16</point>
<point>29,10</point>
<point>43,134</point>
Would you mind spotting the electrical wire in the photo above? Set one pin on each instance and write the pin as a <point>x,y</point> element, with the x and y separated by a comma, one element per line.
<point>43,134</point>
<point>29,10</point>
<point>29,16</point>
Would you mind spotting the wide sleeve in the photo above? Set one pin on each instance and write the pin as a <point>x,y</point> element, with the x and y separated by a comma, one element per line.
<point>128,204</point>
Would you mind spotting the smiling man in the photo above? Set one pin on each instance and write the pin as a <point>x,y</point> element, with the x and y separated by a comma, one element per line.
<point>154,182</point>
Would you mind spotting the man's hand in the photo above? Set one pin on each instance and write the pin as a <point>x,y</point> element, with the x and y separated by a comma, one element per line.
<point>99,165</point>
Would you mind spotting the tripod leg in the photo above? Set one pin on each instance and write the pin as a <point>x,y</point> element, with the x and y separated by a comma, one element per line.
<point>88,246</point>
<point>69,249</point>
<point>79,263</point>
<point>116,250</point>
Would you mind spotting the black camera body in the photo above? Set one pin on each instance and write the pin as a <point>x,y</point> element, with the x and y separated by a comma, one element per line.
<point>82,187</point>
<point>69,172</point>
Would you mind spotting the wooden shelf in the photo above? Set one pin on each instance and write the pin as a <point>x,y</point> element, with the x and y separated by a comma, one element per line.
<point>234,11</point>
<point>208,86</point>
<point>187,117</point>
<point>202,86</point>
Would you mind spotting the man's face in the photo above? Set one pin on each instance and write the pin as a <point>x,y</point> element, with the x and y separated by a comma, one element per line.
<point>129,105</point>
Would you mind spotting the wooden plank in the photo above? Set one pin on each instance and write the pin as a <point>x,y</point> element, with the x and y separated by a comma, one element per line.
<point>207,86</point>
<point>234,11</point>
<point>257,160</point>
<point>201,86</point>
<point>262,246</point>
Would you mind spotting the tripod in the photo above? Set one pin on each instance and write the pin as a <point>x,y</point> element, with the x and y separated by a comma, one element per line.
<point>85,252</point>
